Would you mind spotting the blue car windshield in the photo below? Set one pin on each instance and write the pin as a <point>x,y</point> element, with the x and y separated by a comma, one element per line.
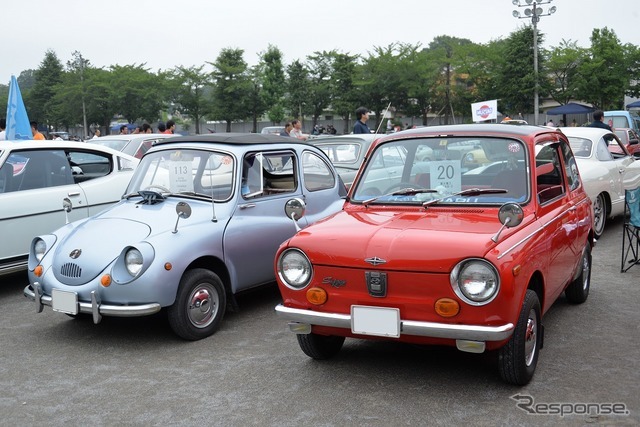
<point>417,170</point>
<point>187,172</point>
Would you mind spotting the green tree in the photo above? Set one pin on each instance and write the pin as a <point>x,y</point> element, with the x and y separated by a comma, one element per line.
<point>256,105</point>
<point>515,76</point>
<point>603,73</point>
<point>297,88</point>
<point>563,61</point>
<point>342,87</point>
<point>189,85</point>
<point>632,55</point>
<point>320,66</point>
<point>273,83</point>
<point>137,93</point>
<point>232,86</point>
<point>39,101</point>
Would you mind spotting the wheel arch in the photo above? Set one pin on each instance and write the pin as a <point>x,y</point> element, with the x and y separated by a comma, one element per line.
<point>217,266</point>
<point>536,284</point>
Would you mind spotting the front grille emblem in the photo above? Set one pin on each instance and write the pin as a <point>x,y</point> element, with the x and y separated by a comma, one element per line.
<point>75,253</point>
<point>375,261</point>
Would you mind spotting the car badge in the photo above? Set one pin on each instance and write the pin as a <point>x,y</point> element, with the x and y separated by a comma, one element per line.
<point>75,253</point>
<point>375,260</point>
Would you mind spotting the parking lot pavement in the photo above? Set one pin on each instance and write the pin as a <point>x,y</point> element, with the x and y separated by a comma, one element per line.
<point>59,371</point>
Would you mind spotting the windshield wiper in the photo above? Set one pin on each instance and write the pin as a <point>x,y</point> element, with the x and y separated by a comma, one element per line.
<point>467,192</point>
<point>402,192</point>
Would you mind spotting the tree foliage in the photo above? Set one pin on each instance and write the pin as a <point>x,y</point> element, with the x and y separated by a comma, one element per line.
<point>232,87</point>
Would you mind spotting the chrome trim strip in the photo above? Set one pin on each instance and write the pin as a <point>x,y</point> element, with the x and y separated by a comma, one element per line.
<point>408,327</point>
<point>541,228</point>
<point>103,309</point>
<point>98,205</point>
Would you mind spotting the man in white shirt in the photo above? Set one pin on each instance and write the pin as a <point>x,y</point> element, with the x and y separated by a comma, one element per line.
<point>3,133</point>
<point>296,132</point>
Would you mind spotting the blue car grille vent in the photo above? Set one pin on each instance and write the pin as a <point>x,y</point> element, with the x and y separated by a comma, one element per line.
<point>71,269</point>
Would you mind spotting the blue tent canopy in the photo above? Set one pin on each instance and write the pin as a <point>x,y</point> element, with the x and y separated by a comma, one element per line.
<point>570,108</point>
<point>634,105</point>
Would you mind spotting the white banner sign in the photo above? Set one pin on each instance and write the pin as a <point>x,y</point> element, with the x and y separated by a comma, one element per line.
<point>486,110</point>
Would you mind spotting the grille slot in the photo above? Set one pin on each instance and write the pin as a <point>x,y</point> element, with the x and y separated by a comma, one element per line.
<point>71,269</point>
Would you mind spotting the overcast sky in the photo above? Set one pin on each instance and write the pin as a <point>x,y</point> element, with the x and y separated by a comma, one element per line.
<point>164,34</point>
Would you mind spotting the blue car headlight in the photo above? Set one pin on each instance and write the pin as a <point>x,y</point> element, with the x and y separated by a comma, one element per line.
<point>133,261</point>
<point>39,248</point>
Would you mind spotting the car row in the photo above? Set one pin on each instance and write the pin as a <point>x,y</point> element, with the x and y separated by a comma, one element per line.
<point>460,235</point>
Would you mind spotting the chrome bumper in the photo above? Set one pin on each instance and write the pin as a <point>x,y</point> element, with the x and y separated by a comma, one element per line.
<point>94,307</point>
<point>408,327</point>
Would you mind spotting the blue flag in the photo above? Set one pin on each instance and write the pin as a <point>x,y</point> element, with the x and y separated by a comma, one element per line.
<point>18,126</point>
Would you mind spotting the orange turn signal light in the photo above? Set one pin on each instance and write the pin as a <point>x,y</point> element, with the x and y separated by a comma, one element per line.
<point>105,280</point>
<point>38,271</point>
<point>447,307</point>
<point>316,296</point>
<point>168,266</point>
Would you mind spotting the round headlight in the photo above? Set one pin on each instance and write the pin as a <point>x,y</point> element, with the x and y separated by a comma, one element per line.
<point>475,281</point>
<point>39,249</point>
<point>133,261</point>
<point>294,269</point>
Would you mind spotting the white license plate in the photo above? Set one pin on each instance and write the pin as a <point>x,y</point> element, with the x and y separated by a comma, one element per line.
<point>65,302</point>
<point>379,321</point>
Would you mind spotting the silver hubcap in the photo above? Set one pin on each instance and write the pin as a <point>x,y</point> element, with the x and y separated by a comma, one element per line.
<point>203,305</point>
<point>598,214</point>
<point>531,338</point>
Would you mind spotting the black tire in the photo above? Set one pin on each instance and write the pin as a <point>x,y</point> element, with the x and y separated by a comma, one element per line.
<point>199,306</point>
<point>517,360</point>
<point>320,347</point>
<point>578,291</point>
<point>599,215</point>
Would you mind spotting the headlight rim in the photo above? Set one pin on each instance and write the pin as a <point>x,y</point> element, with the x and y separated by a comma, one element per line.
<point>283,278</point>
<point>457,288</point>
<point>127,264</point>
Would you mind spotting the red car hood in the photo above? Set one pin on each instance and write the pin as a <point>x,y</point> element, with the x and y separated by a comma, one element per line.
<point>428,241</point>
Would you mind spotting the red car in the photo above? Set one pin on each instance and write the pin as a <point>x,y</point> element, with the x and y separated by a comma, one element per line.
<point>630,140</point>
<point>428,252</point>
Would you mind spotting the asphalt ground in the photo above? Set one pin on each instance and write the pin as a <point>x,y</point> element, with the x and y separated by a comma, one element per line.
<point>55,370</point>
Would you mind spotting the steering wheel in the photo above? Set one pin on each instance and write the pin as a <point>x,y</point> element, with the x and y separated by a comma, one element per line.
<point>159,187</point>
<point>402,185</point>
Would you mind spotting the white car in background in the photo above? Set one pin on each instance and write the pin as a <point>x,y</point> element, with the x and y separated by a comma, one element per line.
<point>607,169</point>
<point>38,177</point>
<point>135,144</point>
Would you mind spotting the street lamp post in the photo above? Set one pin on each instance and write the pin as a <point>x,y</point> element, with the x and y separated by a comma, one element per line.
<point>533,11</point>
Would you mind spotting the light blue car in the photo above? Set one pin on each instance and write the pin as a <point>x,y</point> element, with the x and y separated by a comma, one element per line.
<point>201,220</point>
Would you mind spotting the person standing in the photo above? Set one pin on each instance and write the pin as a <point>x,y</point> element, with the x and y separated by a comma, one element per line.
<point>171,127</point>
<point>3,126</point>
<point>96,134</point>
<point>362,114</point>
<point>34,130</point>
<point>296,132</point>
<point>598,121</point>
<point>287,129</point>
<point>124,130</point>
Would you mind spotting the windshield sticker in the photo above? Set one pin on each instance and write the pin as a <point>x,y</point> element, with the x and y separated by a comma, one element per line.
<point>514,147</point>
<point>443,142</point>
<point>180,176</point>
<point>445,176</point>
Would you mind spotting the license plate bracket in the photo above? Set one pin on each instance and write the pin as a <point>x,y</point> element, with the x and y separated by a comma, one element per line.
<point>64,301</point>
<point>378,321</point>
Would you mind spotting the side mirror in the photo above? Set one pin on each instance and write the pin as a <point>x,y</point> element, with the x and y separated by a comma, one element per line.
<point>66,207</point>
<point>510,215</point>
<point>183,210</point>
<point>294,209</point>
